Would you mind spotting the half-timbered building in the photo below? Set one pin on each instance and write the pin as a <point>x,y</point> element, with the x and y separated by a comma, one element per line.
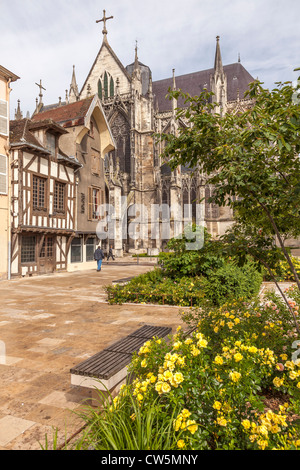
<point>87,136</point>
<point>43,197</point>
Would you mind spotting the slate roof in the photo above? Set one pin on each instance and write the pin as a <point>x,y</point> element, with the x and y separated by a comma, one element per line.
<point>193,83</point>
<point>67,115</point>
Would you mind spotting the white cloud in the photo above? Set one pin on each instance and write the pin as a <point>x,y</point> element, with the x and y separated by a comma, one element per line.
<point>43,39</point>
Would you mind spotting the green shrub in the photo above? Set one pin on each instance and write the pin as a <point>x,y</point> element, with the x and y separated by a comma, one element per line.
<point>231,281</point>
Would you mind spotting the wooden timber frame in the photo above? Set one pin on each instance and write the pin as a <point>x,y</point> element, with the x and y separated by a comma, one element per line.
<point>43,203</point>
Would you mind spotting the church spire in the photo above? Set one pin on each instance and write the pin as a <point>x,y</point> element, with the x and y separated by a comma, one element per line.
<point>18,112</point>
<point>218,58</point>
<point>137,69</point>
<point>73,93</point>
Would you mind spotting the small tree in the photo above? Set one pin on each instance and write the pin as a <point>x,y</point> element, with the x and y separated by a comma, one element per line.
<point>252,159</point>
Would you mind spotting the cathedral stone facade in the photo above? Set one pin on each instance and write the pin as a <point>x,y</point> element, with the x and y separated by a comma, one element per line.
<point>136,178</point>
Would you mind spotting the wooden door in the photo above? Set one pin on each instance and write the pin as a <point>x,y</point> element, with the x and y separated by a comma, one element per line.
<point>47,255</point>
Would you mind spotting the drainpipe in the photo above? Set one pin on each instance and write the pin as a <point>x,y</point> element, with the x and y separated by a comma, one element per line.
<point>9,197</point>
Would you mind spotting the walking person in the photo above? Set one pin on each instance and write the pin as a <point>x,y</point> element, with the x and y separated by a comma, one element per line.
<point>98,256</point>
<point>110,254</point>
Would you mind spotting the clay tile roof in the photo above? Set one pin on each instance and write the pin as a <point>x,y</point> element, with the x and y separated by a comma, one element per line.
<point>72,114</point>
<point>194,83</point>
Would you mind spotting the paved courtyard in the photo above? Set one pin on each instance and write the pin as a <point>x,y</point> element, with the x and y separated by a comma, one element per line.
<point>47,325</point>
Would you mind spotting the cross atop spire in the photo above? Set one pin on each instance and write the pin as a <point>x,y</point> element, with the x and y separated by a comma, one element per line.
<point>104,19</point>
<point>41,88</point>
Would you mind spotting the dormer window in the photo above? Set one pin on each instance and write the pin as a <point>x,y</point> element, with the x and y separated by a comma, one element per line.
<point>51,142</point>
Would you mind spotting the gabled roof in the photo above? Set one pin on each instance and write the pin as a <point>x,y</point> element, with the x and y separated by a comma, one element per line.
<point>194,83</point>
<point>105,44</point>
<point>72,114</point>
<point>7,74</point>
<point>20,134</point>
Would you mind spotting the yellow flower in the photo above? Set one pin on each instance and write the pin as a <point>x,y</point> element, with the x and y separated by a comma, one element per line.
<point>221,421</point>
<point>216,329</point>
<point>238,357</point>
<point>278,382</point>
<point>177,345</point>
<point>144,363</point>
<point>195,351</point>
<point>181,444</point>
<point>235,376</point>
<point>178,377</point>
<point>185,413</point>
<point>293,374</point>
<point>202,343</point>
<point>192,426</point>
<point>165,388</point>
<point>230,325</point>
<point>218,360</point>
<point>217,405</point>
<point>246,423</point>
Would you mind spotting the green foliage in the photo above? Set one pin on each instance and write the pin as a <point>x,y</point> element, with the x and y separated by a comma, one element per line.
<point>252,161</point>
<point>231,281</point>
<point>156,288</point>
<point>183,262</point>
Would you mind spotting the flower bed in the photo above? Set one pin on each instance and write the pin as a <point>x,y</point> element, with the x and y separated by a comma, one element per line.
<point>229,384</point>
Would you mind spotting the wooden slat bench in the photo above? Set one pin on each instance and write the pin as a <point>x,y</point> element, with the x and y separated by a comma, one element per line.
<point>107,370</point>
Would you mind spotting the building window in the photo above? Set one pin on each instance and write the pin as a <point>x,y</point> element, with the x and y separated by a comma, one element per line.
<point>112,87</point>
<point>94,202</point>
<point>3,117</point>
<point>28,249</point>
<point>59,197</point>
<point>51,143</point>
<point>76,250</point>
<point>3,174</point>
<point>100,89</point>
<point>47,248</point>
<point>90,249</point>
<point>106,86</point>
<point>39,193</point>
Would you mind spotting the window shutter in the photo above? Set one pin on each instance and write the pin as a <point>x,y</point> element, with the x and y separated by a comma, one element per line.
<point>3,174</point>
<point>3,117</point>
<point>90,203</point>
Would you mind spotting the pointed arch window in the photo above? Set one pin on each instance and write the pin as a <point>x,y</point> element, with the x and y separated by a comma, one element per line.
<point>112,87</point>
<point>100,89</point>
<point>106,86</point>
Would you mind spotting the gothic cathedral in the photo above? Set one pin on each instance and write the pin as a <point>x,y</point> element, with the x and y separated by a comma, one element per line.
<point>136,107</point>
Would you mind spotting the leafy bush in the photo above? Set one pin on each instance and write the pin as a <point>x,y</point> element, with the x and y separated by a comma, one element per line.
<point>231,281</point>
<point>154,287</point>
<point>182,262</point>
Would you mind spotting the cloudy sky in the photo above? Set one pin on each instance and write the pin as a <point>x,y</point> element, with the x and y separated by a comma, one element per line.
<point>43,39</point>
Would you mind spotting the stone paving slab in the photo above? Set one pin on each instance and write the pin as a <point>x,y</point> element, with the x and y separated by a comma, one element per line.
<point>47,325</point>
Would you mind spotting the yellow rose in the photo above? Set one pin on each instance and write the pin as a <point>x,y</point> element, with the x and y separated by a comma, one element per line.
<point>181,444</point>
<point>178,377</point>
<point>165,388</point>
<point>238,357</point>
<point>218,360</point>
<point>217,405</point>
<point>246,424</point>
